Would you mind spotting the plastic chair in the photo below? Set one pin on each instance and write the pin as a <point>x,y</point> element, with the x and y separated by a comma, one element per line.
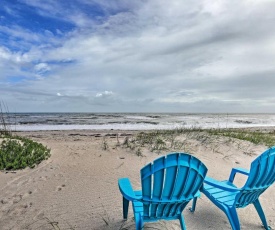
<point>168,184</point>
<point>226,196</point>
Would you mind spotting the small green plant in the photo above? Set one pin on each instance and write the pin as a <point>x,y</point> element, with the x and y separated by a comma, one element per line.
<point>159,144</point>
<point>138,152</point>
<point>126,142</point>
<point>104,144</point>
<point>19,152</point>
<point>117,141</point>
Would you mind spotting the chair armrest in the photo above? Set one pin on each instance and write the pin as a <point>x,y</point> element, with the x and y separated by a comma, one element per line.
<point>237,170</point>
<point>126,189</point>
<point>219,184</point>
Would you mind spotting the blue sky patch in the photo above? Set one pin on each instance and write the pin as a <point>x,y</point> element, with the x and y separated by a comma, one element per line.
<point>22,15</point>
<point>16,79</point>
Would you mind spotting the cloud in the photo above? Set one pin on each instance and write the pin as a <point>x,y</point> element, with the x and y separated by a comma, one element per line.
<point>42,68</point>
<point>104,94</point>
<point>192,56</point>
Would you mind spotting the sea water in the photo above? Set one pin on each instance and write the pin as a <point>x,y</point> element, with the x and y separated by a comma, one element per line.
<point>133,121</point>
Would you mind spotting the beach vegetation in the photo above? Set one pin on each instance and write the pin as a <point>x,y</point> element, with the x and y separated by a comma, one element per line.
<point>138,152</point>
<point>4,118</point>
<point>104,144</point>
<point>20,152</point>
<point>156,141</point>
<point>180,139</point>
<point>117,141</point>
<point>159,144</point>
<point>266,138</point>
<point>126,142</point>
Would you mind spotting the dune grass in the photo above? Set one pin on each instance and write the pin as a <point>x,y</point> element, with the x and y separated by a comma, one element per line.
<point>266,138</point>
<point>177,139</point>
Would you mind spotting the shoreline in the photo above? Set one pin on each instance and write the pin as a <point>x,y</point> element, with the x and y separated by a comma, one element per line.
<point>122,132</point>
<point>136,121</point>
<point>141,128</point>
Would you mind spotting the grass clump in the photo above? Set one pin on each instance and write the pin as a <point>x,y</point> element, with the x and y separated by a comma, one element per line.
<point>104,144</point>
<point>256,137</point>
<point>159,144</point>
<point>4,119</point>
<point>180,139</point>
<point>20,152</point>
<point>155,141</point>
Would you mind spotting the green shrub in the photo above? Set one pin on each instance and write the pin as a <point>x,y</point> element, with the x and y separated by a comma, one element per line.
<point>19,152</point>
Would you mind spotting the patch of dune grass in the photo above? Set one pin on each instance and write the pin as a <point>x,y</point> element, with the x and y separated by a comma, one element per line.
<point>20,152</point>
<point>256,137</point>
<point>169,139</point>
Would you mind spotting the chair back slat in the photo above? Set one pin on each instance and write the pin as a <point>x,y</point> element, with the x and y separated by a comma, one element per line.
<point>265,172</point>
<point>198,180</point>
<point>169,183</point>
<point>146,181</point>
<point>170,175</point>
<point>261,176</point>
<point>271,175</point>
<point>159,177</point>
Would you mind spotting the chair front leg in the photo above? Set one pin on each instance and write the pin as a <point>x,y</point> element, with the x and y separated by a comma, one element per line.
<point>182,223</point>
<point>233,218</point>
<point>125,208</point>
<point>260,211</point>
<point>139,221</point>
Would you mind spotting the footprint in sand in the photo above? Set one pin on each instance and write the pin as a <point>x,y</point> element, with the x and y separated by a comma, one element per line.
<point>4,201</point>
<point>29,192</point>
<point>43,178</point>
<point>16,198</point>
<point>20,210</point>
<point>59,188</point>
<point>23,182</point>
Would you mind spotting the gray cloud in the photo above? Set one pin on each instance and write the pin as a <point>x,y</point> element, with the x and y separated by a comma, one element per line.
<point>194,56</point>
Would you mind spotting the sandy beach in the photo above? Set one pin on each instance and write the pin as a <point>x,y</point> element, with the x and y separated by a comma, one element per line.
<point>76,188</point>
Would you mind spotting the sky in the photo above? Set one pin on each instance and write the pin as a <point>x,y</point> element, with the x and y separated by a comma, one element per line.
<point>188,56</point>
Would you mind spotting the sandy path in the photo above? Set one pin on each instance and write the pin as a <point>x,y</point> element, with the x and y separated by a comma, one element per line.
<point>77,187</point>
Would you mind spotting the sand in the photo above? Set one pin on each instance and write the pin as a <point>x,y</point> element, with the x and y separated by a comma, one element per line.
<point>76,188</point>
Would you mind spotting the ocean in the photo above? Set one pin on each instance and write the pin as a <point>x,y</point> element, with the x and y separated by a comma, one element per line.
<point>133,121</point>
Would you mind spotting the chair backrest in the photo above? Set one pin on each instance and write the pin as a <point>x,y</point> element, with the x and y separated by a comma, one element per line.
<point>261,176</point>
<point>169,183</point>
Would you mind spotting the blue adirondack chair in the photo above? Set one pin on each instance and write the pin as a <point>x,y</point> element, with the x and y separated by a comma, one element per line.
<point>168,184</point>
<point>226,196</point>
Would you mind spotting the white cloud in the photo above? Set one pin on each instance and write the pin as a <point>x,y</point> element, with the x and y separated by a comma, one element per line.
<point>158,55</point>
<point>103,94</point>
<point>4,53</point>
<point>42,68</point>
